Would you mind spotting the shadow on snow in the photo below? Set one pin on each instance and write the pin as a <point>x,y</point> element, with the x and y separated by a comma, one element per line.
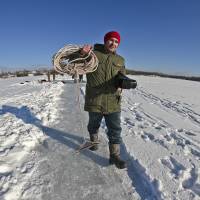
<point>146,188</point>
<point>71,140</point>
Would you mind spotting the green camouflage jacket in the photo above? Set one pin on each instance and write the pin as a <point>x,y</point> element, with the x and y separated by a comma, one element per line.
<point>101,93</point>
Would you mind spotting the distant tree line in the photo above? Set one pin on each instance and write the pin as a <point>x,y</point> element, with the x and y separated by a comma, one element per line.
<point>23,73</point>
<point>128,71</point>
<point>134,72</point>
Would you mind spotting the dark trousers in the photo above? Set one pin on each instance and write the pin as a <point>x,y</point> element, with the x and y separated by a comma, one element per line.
<point>112,122</point>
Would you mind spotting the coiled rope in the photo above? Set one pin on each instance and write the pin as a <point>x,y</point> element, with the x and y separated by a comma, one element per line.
<point>64,61</point>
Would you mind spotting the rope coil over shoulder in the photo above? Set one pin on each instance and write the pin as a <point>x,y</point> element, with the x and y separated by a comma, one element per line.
<point>64,61</point>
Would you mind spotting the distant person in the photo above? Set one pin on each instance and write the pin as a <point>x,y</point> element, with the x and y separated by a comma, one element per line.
<point>81,78</point>
<point>103,98</point>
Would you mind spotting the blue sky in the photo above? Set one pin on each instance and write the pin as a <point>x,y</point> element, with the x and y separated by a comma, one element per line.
<point>156,35</point>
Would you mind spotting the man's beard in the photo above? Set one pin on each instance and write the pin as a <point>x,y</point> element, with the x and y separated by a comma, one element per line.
<point>112,47</point>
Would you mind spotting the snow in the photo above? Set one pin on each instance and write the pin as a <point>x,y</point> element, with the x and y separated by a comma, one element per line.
<point>41,126</point>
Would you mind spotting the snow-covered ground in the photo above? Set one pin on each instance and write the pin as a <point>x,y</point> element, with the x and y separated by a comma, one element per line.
<point>161,143</point>
<point>161,132</point>
<point>24,103</point>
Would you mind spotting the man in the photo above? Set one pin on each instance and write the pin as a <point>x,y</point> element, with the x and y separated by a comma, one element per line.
<point>103,98</point>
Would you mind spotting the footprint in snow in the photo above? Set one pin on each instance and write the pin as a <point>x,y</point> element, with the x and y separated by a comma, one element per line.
<point>191,180</point>
<point>147,136</point>
<point>195,153</point>
<point>181,130</point>
<point>179,140</point>
<point>190,133</point>
<point>138,117</point>
<point>157,126</point>
<point>175,167</point>
<point>150,137</point>
<point>129,122</point>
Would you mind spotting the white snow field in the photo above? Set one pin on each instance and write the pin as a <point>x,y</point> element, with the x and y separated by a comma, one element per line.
<point>41,126</point>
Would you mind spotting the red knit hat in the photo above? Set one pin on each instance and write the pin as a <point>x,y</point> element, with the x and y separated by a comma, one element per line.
<point>112,34</point>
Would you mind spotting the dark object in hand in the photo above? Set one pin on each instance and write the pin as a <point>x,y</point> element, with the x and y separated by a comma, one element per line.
<point>122,81</point>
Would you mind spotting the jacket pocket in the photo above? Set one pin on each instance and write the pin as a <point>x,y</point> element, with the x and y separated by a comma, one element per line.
<point>118,64</point>
<point>93,97</point>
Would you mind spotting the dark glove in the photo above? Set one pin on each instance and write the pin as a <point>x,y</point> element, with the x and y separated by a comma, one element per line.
<point>122,81</point>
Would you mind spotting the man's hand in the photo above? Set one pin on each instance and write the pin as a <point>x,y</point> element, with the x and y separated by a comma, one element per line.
<point>86,48</point>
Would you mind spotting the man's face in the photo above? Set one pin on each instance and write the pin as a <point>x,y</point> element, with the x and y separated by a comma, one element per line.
<point>112,44</point>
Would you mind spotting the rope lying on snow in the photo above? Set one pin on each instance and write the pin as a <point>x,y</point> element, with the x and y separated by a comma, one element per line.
<point>67,61</point>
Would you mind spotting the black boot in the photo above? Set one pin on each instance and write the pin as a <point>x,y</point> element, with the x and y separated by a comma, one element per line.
<point>94,138</point>
<point>115,156</point>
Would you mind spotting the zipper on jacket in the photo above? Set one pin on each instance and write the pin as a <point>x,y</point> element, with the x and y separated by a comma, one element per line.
<point>106,77</point>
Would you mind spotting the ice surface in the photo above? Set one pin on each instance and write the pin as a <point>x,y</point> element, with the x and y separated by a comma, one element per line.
<point>40,130</point>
